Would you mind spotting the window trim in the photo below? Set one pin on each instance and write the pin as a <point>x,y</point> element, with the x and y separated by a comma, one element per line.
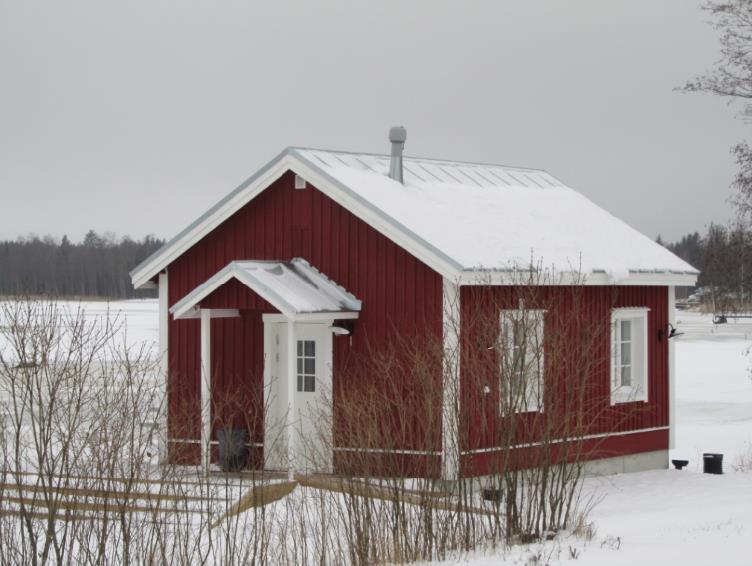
<point>638,392</point>
<point>516,314</point>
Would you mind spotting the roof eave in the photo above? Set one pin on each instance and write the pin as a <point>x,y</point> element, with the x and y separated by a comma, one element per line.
<point>156,262</point>
<point>512,277</point>
<point>290,159</point>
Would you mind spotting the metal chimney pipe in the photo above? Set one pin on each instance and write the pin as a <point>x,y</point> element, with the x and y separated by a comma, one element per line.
<point>397,135</point>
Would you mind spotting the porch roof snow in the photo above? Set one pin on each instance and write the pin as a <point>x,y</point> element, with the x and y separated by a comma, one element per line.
<point>293,287</point>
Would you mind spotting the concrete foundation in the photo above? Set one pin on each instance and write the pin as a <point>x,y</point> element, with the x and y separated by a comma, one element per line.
<point>656,460</point>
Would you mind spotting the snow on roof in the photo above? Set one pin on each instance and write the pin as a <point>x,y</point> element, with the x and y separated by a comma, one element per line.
<point>464,220</point>
<point>497,217</point>
<point>293,287</point>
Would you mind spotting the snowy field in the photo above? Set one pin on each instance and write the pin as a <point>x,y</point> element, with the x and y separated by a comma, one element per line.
<point>658,517</point>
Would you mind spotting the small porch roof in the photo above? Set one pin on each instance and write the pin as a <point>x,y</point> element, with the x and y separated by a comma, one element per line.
<point>293,287</point>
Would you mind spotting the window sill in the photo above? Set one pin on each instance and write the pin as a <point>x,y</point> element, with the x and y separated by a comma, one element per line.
<point>622,397</point>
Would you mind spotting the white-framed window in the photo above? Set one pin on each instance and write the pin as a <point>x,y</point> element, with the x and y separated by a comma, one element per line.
<point>300,182</point>
<point>306,366</point>
<point>629,355</point>
<point>522,361</point>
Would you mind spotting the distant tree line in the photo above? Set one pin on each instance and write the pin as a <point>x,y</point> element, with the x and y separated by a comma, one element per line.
<point>97,266</point>
<point>723,256</point>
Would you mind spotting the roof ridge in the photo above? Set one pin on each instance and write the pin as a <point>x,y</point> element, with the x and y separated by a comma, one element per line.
<point>418,158</point>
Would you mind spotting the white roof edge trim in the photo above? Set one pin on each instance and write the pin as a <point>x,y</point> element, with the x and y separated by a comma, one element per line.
<point>289,159</point>
<point>183,306</point>
<point>393,230</point>
<point>638,278</point>
<point>209,220</point>
<point>312,273</point>
<point>235,270</point>
<point>230,271</point>
<point>447,267</point>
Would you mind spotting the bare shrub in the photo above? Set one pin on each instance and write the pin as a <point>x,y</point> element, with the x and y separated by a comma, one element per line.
<point>81,483</point>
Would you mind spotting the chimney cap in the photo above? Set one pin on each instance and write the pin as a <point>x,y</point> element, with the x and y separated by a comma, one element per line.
<point>397,134</point>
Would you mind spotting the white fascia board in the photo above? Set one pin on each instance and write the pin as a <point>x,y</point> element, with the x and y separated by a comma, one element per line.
<point>322,317</point>
<point>266,293</point>
<point>246,192</point>
<point>195,314</point>
<point>387,226</point>
<point>449,268</point>
<point>323,281</point>
<point>204,224</point>
<point>512,278</point>
<point>668,279</point>
<point>184,307</point>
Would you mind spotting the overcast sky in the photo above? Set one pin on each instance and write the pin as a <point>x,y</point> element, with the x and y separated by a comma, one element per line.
<point>135,117</point>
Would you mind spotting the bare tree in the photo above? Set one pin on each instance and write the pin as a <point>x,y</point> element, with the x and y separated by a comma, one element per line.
<point>731,77</point>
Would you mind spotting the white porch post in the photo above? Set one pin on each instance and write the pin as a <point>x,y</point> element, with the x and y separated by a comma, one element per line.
<point>291,388</point>
<point>164,322</point>
<point>205,388</point>
<point>451,383</point>
<point>671,370</point>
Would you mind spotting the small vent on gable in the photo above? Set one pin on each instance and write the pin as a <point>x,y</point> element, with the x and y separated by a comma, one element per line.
<point>300,182</point>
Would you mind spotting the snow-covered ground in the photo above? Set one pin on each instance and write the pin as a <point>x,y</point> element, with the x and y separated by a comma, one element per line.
<point>136,320</point>
<point>140,317</point>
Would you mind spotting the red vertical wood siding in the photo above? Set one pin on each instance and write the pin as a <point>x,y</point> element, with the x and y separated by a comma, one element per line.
<point>593,306</point>
<point>401,296</point>
<point>399,293</point>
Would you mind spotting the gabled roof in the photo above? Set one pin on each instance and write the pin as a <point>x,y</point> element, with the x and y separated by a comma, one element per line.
<point>292,287</point>
<point>465,220</point>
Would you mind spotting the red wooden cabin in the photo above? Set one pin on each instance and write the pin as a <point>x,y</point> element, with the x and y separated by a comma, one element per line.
<point>323,257</point>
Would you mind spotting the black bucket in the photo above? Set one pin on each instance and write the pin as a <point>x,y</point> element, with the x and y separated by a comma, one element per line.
<point>233,449</point>
<point>712,463</point>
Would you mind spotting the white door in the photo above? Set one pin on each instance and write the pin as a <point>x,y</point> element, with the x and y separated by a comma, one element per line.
<point>312,392</point>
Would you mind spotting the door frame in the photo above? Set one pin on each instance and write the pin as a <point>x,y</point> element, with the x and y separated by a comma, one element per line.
<point>276,399</point>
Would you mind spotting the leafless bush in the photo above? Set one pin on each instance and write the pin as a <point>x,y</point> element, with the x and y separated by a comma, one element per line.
<point>80,434</point>
<point>525,402</point>
<point>80,481</point>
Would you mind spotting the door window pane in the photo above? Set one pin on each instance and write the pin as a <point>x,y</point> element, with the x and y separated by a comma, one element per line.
<point>306,366</point>
<point>310,366</point>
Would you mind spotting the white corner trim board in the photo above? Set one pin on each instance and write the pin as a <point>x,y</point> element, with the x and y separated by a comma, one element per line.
<point>206,387</point>
<point>450,390</point>
<point>164,357</point>
<point>671,369</point>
